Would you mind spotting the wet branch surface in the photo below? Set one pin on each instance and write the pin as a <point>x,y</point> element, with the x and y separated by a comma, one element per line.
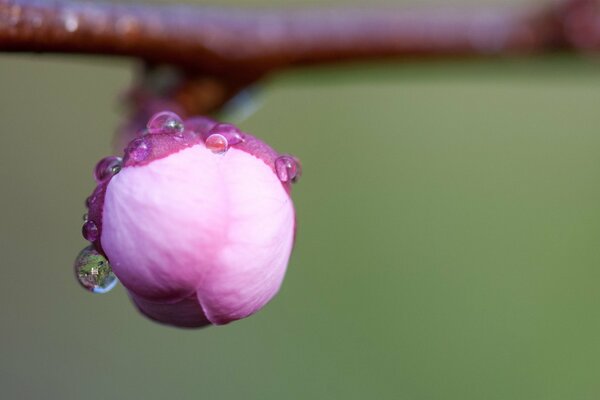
<point>218,51</point>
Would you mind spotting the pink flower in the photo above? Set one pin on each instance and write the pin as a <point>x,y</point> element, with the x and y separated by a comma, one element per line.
<point>197,222</point>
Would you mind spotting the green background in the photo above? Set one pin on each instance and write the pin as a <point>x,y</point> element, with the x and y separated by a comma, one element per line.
<point>447,248</point>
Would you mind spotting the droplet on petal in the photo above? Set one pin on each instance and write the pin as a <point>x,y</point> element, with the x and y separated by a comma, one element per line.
<point>138,150</point>
<point>107,167</point>
<point>287,168</point>
<point>85,217</point>
<point>90,231</point>
<point>166,122</point>
<point>217,143</point>
<point>229,132</point>
<point>90,200</point>
<point>93,271</point>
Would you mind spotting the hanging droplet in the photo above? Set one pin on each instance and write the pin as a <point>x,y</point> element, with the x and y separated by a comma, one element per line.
<point>217,143</point>
<point>229,132</point>
<point>90,231</point>
<point>166,122</point>
<point>107,167</point>
<point>287,168</point>
<point>139,149</point>
<point>93,271</point>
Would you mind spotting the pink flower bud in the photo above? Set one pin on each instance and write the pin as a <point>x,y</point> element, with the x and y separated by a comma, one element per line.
<point>198,229</point>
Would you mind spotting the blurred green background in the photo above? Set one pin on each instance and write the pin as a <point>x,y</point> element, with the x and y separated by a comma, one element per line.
<point>449,217</point>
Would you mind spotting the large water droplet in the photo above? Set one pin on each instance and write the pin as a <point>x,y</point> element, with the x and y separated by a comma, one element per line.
<point>107,167</point>
<point>229,132</point>
<point>90,231</point>
<point>139,149</point>
<point>93,271</point>
<point>217,143</point>
<point>166,122</point>
<point>287,168</point>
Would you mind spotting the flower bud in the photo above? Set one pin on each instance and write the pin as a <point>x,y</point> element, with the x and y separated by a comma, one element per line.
<point>197,222</point>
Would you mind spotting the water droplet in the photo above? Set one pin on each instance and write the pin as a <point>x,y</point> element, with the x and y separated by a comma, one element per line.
<point>90,200</point>
<point>93,271</point>
<point>90,231</point>
<point>217,143</point>
<point>287,168</point>
<point>85,217</point>
<point>166,122</point>
<point>229,132</point>
<point>71,23</point>
<point>107,167</point>
<point>139,149</point>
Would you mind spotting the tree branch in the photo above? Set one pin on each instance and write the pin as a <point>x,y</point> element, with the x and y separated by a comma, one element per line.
<point>219,51</point>
<point>237,42</point>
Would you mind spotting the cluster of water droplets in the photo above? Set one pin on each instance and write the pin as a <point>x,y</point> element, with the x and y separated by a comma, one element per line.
<point>92,269</point>
<point>222,136</point>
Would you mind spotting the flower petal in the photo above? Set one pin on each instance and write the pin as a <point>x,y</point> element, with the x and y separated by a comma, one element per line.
<point>220,226</point>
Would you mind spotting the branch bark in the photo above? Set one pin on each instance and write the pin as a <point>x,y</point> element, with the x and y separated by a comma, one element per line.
<point>225,49</point>
<point>240,42</point>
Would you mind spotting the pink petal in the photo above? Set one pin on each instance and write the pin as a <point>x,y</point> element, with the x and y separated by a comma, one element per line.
<point>195,225</point>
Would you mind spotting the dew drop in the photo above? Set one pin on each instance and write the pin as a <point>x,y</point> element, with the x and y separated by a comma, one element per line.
<point>287,168</point>
<point>90,231</point>
<point>229,132</point>
<point>139,149</point>
<point>71,23</point>
<point>166,122</point>
<point>85,217</point>
<point>90,200</point>
<point>93,271</point>
<point>107,167</point>
<point>217,143</point>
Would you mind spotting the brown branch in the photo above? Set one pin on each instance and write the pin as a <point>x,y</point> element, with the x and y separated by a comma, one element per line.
<point>218,51</point>
<point>247,43</point>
